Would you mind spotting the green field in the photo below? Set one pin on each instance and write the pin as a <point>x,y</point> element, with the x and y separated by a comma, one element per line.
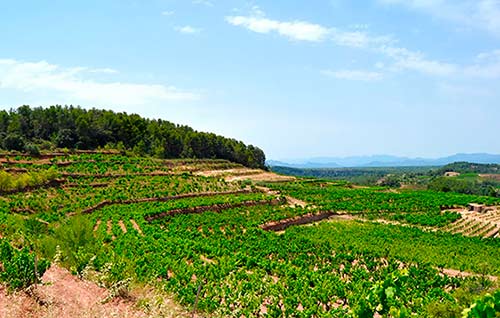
<point>150,221</point>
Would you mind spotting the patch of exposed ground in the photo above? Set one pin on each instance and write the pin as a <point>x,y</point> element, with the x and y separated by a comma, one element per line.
<point>263,176</point>
<point>295,202</point>
<point>228,172</point>
<point>136,226</point>
<point>305,219</point>
<point>456,273</point>
<point>292,202</point>
<point>239,174</point>
<point>122,226</point>
<point>495,176</point>
<point>96,226</point>
<point>64,295</point>
<point>109,229</point>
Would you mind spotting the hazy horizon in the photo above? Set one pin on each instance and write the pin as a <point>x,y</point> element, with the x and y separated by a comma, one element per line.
<point>299,80</point>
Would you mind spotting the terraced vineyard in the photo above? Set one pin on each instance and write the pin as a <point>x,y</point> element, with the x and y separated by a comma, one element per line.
<point>203,230</point>
<point>482,224</point>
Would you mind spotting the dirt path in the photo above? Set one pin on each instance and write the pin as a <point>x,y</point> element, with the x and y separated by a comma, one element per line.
<point>239,174</point>
<point>225,172</point>
<point>64,295</point>
<point>292,202</point>
<point>295,202</point>
<point>263,176</point>
<point>456,273</point>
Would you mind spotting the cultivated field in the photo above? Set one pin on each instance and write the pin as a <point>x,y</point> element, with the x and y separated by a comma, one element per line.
<point>235,242</point>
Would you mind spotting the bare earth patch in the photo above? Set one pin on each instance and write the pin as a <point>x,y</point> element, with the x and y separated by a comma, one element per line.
<point>238,174</point>
<point>456,273</point>
<point>295,202</point>
<point>225,172</point>
<point>96,226</point>
<point>495,176</point>
<point>263,176</point>
<point>122,226</point>
<point>64,295</point>
<point>136,226</point>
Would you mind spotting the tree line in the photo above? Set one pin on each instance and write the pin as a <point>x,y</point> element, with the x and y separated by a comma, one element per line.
<point>469,167</point>
<point>31,129</point>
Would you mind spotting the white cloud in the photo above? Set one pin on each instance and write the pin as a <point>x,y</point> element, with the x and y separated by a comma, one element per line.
<point>167,13</point>
<point>187,29</point>
<point>354,75</point>
<point>73,86</point>
<point>358,39</point>
<point>204,3</point>
<point>399,58</point>
<point>487,66</point>
<point>495,54</point>
<point>105,70</point>
<point>480,14</point>
<point>294,30</point>
<point>405,59</point>
<point>306,31</point>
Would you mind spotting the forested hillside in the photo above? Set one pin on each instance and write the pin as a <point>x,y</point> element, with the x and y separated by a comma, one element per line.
<point>468,167</point>
<point>30,129</point>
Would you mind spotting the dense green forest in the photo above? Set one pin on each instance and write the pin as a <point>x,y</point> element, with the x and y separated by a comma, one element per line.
<point>470,180</point>
<point>467,167</point>
<point>432,178</point>
<point>362,175</point>
<point>468,184</point>
<point>31,129</point>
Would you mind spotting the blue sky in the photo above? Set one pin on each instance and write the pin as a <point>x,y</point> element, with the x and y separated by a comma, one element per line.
<point>296,78</point>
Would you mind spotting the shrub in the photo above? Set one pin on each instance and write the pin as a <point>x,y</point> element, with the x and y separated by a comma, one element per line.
<point>32,149</point>
<point>16,182</point>
<point>13,142</point>
<point>17,268</point>
<point>486,306</point>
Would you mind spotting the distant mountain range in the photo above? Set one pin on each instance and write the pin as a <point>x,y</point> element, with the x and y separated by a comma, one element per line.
<point>384,161</point>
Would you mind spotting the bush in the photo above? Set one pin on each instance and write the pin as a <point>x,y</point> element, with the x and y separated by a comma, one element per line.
<point>17,268</point>
<point>486,306</point>
<point>32,149</point>
<point>77,243</point>
<point>17,182</point>
<point>13,142</point>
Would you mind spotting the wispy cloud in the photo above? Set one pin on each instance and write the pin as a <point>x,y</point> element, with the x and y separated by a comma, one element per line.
<point>487,65</point>
<point>405,59</point>
<point>187,29</point>
<point>76,86</point>
<point>167,13</point>
<point>105,70</point>
<point>294,30</point>
<point>479,14</point>
<point>354,75</point>
<point>204,3</point>
<point>399,58</point>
